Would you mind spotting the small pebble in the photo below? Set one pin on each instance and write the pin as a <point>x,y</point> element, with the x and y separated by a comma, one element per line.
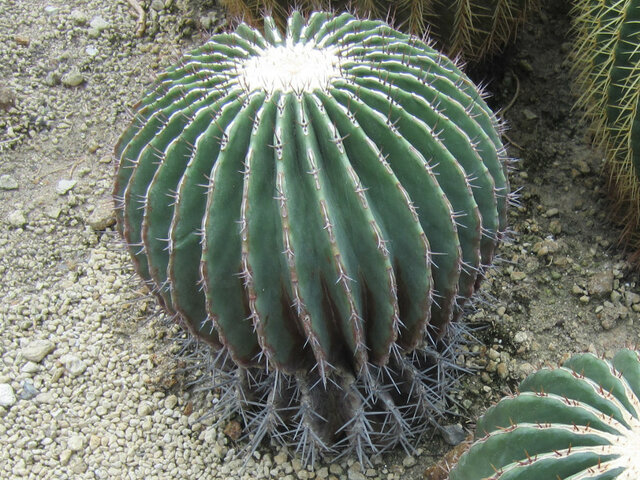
<point>79,17</point>
<point>7,100</point>
<point>28,391</point>
<point>98,23</point>
<point>7,182</point>
<point>17,219</point>
<point>30,367</point>
<point>37,350</point>
<point>7,395</point>
<point>517,276</point>
<point>409,461</point>
<point>72,79</point>
<point>73,365</point>
<point>145,408</point>
<point>64,186</point>
<point>76,443</point>
<point>157,5</point>
<point>103,215</point>
<point>453,434</point>
<point>170,402</point>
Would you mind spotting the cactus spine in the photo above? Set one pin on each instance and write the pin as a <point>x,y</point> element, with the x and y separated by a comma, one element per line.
<point>471,28</point>
<point>317,208</point>
<point>579,421</point>
<point>608,69</point>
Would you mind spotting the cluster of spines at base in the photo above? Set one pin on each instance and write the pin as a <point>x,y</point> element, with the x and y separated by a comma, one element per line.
<point>219,187</point>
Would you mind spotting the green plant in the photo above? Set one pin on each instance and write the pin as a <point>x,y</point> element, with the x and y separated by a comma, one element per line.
<point>608,70</point>
<point>580,421</point>
<point>471,28</point>
<point>317,208</point>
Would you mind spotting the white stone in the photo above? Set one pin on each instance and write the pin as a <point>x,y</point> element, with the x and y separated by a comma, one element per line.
<point>76,443</point>
<point>98,23</point>
<point>64,186</point>
<point>37,350</point>
<point>17,218</point>
<point>7,395</point>
<point>30,367</point>
<point>7,182</point>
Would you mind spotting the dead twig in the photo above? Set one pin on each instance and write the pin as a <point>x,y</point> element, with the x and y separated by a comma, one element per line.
<point>142,17</point>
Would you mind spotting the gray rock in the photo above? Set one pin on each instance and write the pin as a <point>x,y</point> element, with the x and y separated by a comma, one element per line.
<point>28,390</point>
<point>37,350</point>
<point>103,215</point>
<point>64,186</point>
<point>72,79</point>
<point>453,434</point>
<point>7,182</point>
<point>17,219</point>
<point>601,284</point>
<point>7,395</point>
<point>51,10</point>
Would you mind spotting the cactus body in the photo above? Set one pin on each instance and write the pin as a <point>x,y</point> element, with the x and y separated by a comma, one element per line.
<point>317,208</point>
<point>581,421</point>
<point>471,28</point>
<point>608,68</point>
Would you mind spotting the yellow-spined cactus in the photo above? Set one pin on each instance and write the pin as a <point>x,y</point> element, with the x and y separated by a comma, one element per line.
<point>470,28</point>
<point>608,71</point>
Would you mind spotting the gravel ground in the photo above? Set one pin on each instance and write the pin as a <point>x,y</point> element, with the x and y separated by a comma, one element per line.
<point>89,384</point>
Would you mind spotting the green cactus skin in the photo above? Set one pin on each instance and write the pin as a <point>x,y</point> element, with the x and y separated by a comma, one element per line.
<point>580,421</point>
<point>473,29</point>
<point>608,69</point>
<point>317,208</point>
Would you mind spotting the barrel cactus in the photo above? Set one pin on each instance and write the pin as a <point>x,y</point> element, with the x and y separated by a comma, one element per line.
<point>316,208</point>
<point>608,69</point>
<point>580,421</point>
<point>471,28</point>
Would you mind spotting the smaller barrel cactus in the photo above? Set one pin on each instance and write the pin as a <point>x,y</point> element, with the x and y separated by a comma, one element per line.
<point>580,421</point>
<point>608,71</point>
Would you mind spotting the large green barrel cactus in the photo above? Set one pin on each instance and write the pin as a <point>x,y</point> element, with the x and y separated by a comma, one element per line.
<point>581,421</point>
<point>471,28</point>
<point>608,68</point>
<point>317,208</point>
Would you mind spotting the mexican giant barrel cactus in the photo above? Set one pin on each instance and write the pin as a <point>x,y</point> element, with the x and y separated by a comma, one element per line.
<point>608,68</point>
<point>581,421</point>
<point>471,28</point>
<point>316,208</point>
